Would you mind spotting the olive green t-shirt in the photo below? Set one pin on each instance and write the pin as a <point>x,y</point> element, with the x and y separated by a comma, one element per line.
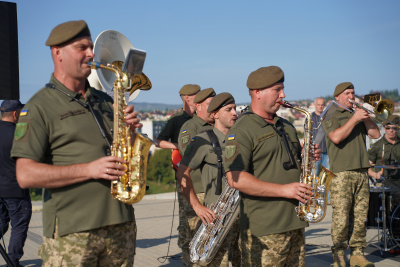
<point>351,153</point>
<point>253,146</point>
<point>57,130</point>
<point>170,131</point>
<point>189,130</point>
<point>200,154</point>
<point>390,156</point>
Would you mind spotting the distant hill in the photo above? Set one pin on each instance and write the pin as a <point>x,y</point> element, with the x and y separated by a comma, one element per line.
<point>141,106</point>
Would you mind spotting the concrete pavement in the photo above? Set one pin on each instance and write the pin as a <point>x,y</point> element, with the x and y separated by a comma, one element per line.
<point>157,220</point>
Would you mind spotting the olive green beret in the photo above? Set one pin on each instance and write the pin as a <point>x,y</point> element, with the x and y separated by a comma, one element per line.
<point>189,89</point>
<point>341,87</point>
<point>68,31</point>
<point>392,118</point>
<point>220,101</point>
<point>203,95</point>
<point>265,77</point>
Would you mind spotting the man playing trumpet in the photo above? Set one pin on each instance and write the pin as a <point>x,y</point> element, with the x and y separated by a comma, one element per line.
<point>345,134</point>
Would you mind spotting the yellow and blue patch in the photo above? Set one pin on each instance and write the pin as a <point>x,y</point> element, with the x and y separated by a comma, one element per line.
<point>231,137</point>
<point>184,131</point>
<point>24,112</point>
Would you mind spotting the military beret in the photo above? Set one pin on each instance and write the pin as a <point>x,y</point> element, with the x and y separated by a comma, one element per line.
<point>220,101</point>
<point>265,77</point>
<point>394,119</point>
<point>189,89</point>
<point>68,31</point>
<point>203,95</point>
<point>341,87</point>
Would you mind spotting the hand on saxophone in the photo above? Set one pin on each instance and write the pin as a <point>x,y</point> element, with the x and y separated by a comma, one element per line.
<point>317,152</point>
<point>108,168</point>
<point>131,118</point>
<point>300,191</point>
<point>205,214</point>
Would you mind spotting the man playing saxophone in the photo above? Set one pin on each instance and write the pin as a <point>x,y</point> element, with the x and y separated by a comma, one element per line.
<point>262,160</point>
<point>200,154</point>
<point>345,134</point>
<point>59,147</point>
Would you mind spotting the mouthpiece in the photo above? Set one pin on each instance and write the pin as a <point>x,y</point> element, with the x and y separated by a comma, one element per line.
<point>285,104</point>
<point>94,64</point>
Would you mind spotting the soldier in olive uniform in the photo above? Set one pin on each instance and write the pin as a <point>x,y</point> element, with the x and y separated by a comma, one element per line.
<point>59,147</point>
<point>200,154</point>
<point>345,134</point>
<point>200,122</point>
<point>386,151</point>
<point>262,161</point>
<point>168,138</point>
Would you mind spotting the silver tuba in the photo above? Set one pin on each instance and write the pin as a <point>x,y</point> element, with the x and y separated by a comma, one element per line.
<point>119,69</point>
<point>209,238</point>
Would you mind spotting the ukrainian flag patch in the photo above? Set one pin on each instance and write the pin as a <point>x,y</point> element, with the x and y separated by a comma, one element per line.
<point>24,112</point>
<point>231,137</point>
<point>184,131</point>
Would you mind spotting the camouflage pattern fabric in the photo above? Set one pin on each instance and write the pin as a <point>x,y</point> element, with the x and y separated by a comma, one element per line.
<point>278,250</point>
<point>112,245</point>
<point>183,228</point>
<point>349,199</point>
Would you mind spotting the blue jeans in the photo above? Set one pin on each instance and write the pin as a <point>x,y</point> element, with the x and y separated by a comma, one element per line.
<point>19,212</point>
<point>324,162</point>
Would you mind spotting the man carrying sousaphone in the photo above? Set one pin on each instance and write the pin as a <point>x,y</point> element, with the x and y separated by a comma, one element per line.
<point>345,134</point>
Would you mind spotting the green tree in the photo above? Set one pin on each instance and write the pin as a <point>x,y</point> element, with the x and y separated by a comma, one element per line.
<point>159,168</point>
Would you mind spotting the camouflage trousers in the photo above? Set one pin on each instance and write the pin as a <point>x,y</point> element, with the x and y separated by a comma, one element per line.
<point>189,222</point>
<point>278,250</point>
<point>349,199</point>
<point>183,227</point>
<point>229,250</point>
<point>112,245</point>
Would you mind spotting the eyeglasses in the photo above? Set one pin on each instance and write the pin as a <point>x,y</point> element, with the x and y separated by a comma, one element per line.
<point>389,128</point>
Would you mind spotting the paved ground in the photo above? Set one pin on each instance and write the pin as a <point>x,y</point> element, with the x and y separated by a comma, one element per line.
<point>157,219</point>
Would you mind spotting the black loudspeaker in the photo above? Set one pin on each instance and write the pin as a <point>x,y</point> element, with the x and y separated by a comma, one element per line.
<point>9,66</point>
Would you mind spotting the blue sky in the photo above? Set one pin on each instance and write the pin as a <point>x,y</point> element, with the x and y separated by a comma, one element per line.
<point>318,44</point>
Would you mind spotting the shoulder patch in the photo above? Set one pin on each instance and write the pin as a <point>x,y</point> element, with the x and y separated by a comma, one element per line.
<point>20,130</point>
<point>24,112</point>
<point>184,131</point>
<point>230,151</point>
<point>194,138</point>
<point>185,139</point>
<point>231,137</point>
<point>328,123</point>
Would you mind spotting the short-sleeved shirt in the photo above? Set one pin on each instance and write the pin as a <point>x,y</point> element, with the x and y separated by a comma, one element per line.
<point>391,156</point>
<point>200,154</point>
<point>254,146</point>
<point>57,130</point>
<point>351,153</point>
<point>9,187</point>
<point>170,131</point>
<point>189,130</point>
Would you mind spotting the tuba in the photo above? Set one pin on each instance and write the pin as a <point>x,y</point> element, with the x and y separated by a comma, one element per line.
<point>110,49</point>
<point>209,238</point>
<point>314,210</point>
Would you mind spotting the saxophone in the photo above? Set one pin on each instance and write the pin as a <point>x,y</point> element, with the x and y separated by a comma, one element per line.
<point>315,209</point>
<point>131,187</point>
<point>209,238</point>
